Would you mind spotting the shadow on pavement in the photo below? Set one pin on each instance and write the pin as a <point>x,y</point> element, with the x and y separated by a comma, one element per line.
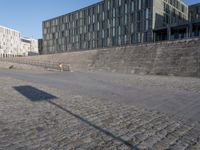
<point>34,94</point>
<point>37,95</point>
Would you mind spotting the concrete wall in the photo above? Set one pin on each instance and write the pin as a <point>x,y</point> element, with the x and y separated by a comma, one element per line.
<point>180,58</point>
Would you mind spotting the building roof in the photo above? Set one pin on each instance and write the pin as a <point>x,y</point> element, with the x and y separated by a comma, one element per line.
<point>77,10</point>
<point>9,29</point>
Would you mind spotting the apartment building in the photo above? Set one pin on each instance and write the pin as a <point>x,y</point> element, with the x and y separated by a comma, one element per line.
<point>12,44</point>
<point>112,23</point>
<point>29,46</point>
<point>9,42</point>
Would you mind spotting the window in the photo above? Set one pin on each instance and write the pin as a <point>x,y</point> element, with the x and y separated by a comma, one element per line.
<point>113,31</point>
<point>98,9</point>
<point>139,4</point>
<point>113,14</point>
<point>103,16</point>
<point>147,25</point>
<point>126,19</point>
<point>103,34</point>
<point>147,13</point>
<point>120,2</point>
<point>98,26</point>
<point>119,30</point>
<point>138,38</point>
<point>113,22</point>
<point>126,8</point>
<point>108,4</point>
<point>132,6</point>
<point>138,26</point>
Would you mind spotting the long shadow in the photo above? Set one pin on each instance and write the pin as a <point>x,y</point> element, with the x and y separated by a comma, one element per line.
<point>37,95</point>
<point>34,94</point>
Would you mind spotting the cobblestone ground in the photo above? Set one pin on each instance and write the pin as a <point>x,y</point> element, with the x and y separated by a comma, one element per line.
<point>72,121</point>
<point>170,82</point>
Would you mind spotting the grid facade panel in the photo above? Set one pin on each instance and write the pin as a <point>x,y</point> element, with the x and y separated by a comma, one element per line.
<point>108,23</point>
<point>105,24</point>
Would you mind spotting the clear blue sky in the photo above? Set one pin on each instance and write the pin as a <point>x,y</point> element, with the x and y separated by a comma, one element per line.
<point>26,16</point>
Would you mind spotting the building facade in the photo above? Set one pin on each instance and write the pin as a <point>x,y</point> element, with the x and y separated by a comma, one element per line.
<point>112,23</point>
<point>11,43</point>
<point>29,47</point>
<point>188,28</point>
<point>194,14</point>
<point>169,12</point>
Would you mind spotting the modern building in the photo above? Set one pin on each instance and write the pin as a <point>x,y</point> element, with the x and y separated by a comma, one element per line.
<point>186,29</point>
<point>112,23</point>
<point>29,47</point>
<point>168,15</point>
<point>9,42</point>
<point>169,12</point>
<point>12,44</point>
<point>194,14</point>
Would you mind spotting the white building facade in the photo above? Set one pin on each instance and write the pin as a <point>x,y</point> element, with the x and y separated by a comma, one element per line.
<point>13,45</point>
<point>29,46</point>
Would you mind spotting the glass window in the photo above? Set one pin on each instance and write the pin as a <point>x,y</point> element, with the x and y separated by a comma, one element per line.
<point>132,6</point>
<point>147,13</point>
<point>139,4</point>
<point>120,2</point>
<point>113,31</point>
<point>126,8</point>
<point>126,19</point>
<point>147,25</point>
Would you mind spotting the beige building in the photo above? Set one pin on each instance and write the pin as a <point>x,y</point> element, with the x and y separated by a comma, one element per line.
<point>12,45</point>
<point>29,46</point>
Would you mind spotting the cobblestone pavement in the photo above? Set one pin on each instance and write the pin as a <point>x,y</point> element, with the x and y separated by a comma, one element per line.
<point>65,120</point>
<point>169,82</point>
<point>172,95</point>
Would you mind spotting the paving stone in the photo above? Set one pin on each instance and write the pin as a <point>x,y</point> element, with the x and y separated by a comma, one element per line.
<point>72,121</point>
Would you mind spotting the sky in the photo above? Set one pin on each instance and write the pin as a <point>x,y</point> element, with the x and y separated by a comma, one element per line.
<point>26,16</point>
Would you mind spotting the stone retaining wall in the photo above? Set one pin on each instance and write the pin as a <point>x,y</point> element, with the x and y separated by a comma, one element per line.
<point>179,58</point>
